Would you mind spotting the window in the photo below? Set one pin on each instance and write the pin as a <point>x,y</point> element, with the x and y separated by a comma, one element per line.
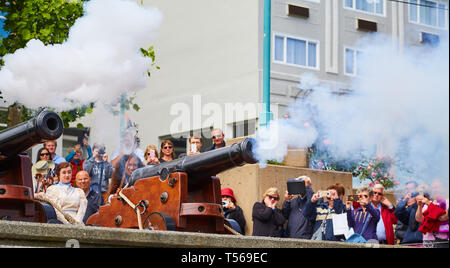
<point>369,6</point>
<point>431,13</point>
<point>296,51</point>
<point>178,143</point>
<point>244,129</point>
<point>352,58</point>
<point>430,39</point>
<point>298,11</point>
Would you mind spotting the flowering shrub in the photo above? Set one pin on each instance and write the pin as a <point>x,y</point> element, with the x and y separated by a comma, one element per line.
<point>322,160</point>
<point>377,171</point>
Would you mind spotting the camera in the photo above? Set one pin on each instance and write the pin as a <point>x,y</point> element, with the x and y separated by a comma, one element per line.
<point>225,203</point>
<point>323,194</point>
<point>101,152</point>
<point>353,197</point>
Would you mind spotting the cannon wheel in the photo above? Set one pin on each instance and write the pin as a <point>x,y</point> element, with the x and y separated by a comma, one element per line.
<point>159,221</point>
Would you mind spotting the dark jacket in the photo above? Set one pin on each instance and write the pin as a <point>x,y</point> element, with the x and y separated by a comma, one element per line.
<point>98,171</point>
<point>237,215</point>
<point>407,215</point>
<point>213,147</point>
<point>94,201</point>
<point>358,217</point>
<point>266,221</point>
<point>298,225</point>
<point>317,212</point>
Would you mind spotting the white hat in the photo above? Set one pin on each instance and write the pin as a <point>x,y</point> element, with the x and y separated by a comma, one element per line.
<point>42,167</point>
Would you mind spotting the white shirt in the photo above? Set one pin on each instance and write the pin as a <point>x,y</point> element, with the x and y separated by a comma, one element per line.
<point>72,200</point>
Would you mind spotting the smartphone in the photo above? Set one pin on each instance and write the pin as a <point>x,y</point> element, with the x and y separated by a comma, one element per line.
<point>193,148</point>
<point>353,197</point>
<point>152,153</point>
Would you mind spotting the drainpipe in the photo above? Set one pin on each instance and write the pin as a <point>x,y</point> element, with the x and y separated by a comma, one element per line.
<point>266,115</point>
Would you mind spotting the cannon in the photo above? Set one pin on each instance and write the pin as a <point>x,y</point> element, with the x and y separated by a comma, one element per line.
<point>16,186</point>
<point>181,195</point>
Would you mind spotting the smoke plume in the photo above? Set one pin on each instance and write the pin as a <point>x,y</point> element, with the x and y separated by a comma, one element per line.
<point>99,61</point>
<point>398,107</point>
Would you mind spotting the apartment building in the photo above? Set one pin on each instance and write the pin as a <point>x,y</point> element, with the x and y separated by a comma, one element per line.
<point>320,36</point>
<point>210,52</point>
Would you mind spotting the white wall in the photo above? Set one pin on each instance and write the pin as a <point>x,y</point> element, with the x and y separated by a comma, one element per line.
<point>205,48</point>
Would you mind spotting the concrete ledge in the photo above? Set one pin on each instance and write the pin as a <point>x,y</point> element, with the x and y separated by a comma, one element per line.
<point>23,234</point>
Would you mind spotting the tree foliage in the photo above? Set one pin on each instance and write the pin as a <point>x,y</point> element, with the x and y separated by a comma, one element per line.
<point>46,20</point>
<point>50,22</point>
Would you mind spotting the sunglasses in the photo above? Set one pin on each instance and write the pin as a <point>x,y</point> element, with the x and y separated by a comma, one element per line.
<point>377,193</point>
<point>273,197</point>
<point>216,137</point>
<point>363,196</point>
<point>44,154</point>
<point>167,147</point>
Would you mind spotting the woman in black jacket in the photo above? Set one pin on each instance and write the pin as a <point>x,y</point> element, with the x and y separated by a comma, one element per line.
<point>267,218</point>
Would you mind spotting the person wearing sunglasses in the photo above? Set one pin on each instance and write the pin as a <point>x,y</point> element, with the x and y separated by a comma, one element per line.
<point>43,171</point>
<point>364,219</point>
<point>267,218</point>
<point>217,138</point>
<point>321,214</point>
<point>385,227</point>
<point>167,152</point>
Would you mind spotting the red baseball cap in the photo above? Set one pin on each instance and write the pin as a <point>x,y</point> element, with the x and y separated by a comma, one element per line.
<point>228,192</point>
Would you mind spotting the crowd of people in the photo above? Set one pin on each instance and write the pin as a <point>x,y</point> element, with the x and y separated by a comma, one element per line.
<point>419,219</point>
<point>80,185</point>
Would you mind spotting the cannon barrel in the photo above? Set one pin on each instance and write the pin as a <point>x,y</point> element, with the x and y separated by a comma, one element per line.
<point>47,125</point>
<point>202,166</point>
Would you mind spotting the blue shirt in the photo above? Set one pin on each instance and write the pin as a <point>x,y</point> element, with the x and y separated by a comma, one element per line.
<point>58,159</point>
<point>381,231</point>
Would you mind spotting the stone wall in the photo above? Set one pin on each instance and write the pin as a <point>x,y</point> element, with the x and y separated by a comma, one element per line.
<point>24,234</point>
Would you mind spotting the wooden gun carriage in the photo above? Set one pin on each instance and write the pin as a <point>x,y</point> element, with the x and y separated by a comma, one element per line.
<point>16,186</point>
<point>182,195</point>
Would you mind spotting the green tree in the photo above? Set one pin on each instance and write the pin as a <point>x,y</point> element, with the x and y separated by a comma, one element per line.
<point>48,21</point>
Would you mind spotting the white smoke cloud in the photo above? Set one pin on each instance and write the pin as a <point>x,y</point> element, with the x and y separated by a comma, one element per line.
<point>99,61</point>
<point>399,108</point>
